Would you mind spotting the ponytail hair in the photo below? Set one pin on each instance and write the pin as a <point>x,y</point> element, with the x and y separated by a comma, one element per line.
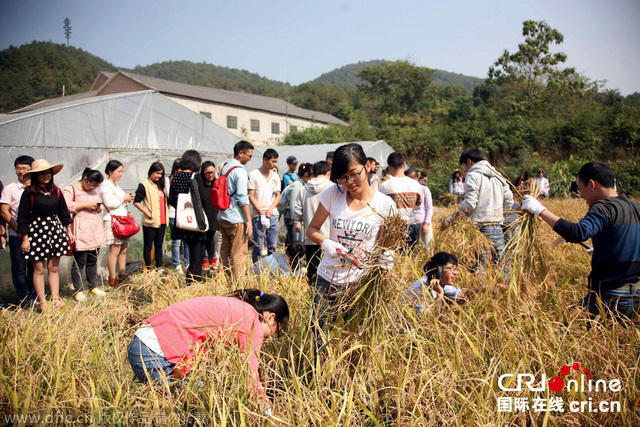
<point>265,302</point>
<point>92,175</point>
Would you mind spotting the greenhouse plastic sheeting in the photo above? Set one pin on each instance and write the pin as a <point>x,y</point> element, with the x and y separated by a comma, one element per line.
<point>136,128</point>
<point>379,150</point>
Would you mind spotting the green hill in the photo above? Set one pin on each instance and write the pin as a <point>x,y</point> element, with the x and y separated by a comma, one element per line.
<point>39,70</point>
<point>347,76</point>
<point>209,75</point>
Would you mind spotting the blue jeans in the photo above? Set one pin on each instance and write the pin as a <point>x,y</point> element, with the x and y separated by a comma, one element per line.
<point>413,235</point>
<point>141,358</point>
<point>292,234</point>
<point>494,233</point>
<point>621,303</point>
<point>175,248</point>
<point>259,236</point>
<point>21,272</point>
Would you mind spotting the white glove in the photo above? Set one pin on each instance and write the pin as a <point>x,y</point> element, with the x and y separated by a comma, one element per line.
<point>267,410</point>
<point>386,260</point>
<point>449,221</point>
<point>531,204</point>
<point>331,248</point>
<point>590,251</point>
<point>266,222</point>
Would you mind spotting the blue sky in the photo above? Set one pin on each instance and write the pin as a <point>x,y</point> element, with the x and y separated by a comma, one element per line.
<point>296,41</point>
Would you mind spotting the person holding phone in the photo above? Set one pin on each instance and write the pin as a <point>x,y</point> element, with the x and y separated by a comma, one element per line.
<point>115,200</point>
<point>441,273</point>
<point>84,203</point>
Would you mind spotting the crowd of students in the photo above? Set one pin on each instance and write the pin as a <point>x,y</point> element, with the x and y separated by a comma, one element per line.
<point>334,212</point>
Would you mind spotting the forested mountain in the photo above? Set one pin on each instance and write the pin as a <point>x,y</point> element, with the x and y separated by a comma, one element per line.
<point>209,75</point>
<point>39,70</point>
<point>347,76</point>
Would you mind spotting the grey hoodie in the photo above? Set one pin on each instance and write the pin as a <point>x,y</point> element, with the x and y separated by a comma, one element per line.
<point>307,204</point>
<point>487,194</point>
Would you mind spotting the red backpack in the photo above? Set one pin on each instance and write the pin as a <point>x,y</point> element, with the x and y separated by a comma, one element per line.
<point>220,196</point>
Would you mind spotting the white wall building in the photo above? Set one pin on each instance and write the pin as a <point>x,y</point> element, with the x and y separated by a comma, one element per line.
<point>259,119</point>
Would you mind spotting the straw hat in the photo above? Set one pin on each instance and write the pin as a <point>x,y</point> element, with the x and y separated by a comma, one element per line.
<point>42,165</point>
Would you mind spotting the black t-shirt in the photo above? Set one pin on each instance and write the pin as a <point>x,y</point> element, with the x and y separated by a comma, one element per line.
<point>43,206</point>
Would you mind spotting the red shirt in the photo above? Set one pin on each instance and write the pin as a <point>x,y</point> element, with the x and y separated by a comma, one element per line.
<point>183,327</point>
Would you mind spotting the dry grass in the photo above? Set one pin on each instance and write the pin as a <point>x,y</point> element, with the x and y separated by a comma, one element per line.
<point>72,361</point>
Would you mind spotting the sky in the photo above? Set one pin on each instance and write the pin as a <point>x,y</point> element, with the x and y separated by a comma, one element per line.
<point>295,41</point>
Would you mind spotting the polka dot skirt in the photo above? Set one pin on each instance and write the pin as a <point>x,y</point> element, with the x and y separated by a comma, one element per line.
<point>47,238</point>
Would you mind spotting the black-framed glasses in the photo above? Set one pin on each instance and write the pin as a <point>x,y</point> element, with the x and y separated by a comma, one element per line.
<point>352,177</point>
<point>250,155</point>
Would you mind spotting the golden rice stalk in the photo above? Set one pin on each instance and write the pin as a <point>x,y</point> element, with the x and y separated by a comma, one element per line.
<point>525,249</point>
<point>371,302</point>
<point>464,240</point>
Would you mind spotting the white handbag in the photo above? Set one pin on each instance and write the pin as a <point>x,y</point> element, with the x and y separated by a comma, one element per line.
<point>186,214</point>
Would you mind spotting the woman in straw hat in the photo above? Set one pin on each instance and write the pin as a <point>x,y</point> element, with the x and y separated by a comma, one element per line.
<point>42,219</point>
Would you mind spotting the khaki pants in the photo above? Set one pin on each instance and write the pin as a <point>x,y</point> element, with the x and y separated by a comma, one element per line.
<point>234,248</point>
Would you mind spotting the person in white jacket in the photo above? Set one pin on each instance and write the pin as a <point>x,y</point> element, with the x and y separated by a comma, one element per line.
<point>487,196</point>
<point>305,207</point>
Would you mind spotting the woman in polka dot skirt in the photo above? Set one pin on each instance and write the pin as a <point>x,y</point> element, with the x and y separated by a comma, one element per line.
<point>42,219</point>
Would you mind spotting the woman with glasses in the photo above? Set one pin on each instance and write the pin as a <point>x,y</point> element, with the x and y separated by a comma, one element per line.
<point>83,202</point>
<point>167,343</point>
<point>209,175</point>
<point>356,213</point>
<point>45,226</point>
<point>438,283</point>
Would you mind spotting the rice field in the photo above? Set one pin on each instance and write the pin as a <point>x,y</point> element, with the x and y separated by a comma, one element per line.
<point>448,366</point>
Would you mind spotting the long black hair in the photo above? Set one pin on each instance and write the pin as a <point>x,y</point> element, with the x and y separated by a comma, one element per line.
<point>36,188</point>
<point>439,260</point>
<point>265,302</point>
<point>157,167</point>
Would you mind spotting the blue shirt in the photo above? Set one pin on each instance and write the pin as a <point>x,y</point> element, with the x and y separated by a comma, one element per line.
<point>289,177</point>
<point>237,186</point>
<point>272,264</point>
<point>414,292</point>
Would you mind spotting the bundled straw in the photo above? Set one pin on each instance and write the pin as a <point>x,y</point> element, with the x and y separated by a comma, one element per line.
<point>525,247</point>
<point>370,301</point>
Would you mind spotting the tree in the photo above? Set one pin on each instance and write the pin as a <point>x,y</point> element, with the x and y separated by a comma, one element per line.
<point>399,87</point>
<point>533,72</point>
<point>67,29</point>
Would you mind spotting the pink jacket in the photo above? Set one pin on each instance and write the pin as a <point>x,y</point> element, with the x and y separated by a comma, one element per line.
<point>183,327</point>
<point>87,225</point>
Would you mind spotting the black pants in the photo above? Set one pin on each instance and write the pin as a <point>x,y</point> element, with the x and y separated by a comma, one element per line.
<point>153,237</point>
<point>210,246</point>
<point>313,255</point>
<point>88,261</point>
<point>196,255</point>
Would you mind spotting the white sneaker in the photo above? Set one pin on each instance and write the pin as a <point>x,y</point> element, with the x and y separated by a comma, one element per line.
<point>97,292</point>
<point>80,296</point>
<point>179,269</point>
